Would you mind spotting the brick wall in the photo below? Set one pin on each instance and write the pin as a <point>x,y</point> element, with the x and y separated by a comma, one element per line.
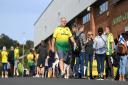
<point>107,17</point>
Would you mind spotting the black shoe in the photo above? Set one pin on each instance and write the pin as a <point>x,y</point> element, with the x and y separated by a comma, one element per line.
<point>62,75</point>
<point>76,76</point>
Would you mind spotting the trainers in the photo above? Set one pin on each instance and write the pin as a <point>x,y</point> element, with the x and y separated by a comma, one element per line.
<point>6,76</point>
<point>2,76</point>
<point>101,79</point>
<point>98,79</point>
<point>37,76</point>
<point>66,77</point>
<point>83,77</point>
<point>42,76</point>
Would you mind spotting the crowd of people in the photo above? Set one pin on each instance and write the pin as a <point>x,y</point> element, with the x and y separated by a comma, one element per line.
<point>10,61</point>
<point>71,55</point>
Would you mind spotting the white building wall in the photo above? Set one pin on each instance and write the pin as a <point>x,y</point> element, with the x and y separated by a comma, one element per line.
<point>47,22</point>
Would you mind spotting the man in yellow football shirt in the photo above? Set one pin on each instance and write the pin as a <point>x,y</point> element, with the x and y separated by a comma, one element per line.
<point>109,52</point>
<point>16,59</point>
<point>61,37</point>
<point>4,55</point>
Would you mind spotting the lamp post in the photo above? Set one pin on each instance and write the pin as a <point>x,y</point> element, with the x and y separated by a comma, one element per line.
<point>23,53</point>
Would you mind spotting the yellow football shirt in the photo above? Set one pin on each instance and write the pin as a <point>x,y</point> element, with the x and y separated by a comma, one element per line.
<point>110,40</point>
<point>30,57</point>
<point>4,55</point>
<point>62,35</point>
<point>16,53</point>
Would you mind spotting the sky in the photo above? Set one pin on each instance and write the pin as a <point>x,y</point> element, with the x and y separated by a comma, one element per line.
<point>17,17</point>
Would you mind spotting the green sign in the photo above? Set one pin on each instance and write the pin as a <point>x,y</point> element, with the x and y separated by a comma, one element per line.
<point>120,18</point>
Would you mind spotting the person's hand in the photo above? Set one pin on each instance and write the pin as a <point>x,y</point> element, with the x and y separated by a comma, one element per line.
<point>48,57</point>
<point>111,58</point>
<point>94,57</point>
<point>75,46</point>
<point>112,51</point>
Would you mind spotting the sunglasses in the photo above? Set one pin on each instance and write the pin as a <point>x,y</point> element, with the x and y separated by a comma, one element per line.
<point>63,21</point>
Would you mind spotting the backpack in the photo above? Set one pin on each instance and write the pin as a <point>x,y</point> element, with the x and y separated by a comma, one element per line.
<point>78,48</point>
<point>122,49</point>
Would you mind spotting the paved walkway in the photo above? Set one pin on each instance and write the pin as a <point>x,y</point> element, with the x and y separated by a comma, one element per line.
<point>41,81</point>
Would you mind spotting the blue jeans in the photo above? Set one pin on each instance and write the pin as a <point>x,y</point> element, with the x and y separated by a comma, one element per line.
<point>82,58</point>
<point>123,62</point>
<point>89,57</point>
<point>4,67</point>
<point>100,62</point>
<point>77,66</point>
<point>80,64</point>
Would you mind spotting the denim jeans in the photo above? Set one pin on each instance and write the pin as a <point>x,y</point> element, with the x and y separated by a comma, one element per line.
<point>79,67</point>
<point>89,57</point>
<point>100,62</point>
<point>82,58</point>
<point>123,62</point>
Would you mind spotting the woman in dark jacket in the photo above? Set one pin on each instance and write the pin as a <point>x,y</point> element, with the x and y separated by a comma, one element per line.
<point>11,61</point>
<point>89,52</point>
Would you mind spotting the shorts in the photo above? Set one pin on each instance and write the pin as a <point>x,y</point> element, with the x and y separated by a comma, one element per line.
<point>4,67</point>
<point>16,64</point>
<point>41,62</point>
<point>64,55</point>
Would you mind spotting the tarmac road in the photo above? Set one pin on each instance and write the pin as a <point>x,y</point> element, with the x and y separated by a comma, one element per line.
<point>42,81</point>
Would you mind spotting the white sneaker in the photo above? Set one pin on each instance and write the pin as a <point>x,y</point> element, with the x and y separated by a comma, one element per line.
<point>98,79</point>
<point>6,76</point>
<point>42,76</point>
<point>2,76</point>
<point>17,73</point>
<point>101,79</point>
<point>66,77</point>
<point>37,76</point>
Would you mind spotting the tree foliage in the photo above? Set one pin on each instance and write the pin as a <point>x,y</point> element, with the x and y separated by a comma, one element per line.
<point>29,44</point>
<point>7,41</point>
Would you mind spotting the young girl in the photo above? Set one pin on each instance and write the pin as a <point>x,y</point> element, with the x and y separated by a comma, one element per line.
<point>4,55</point>
<point>31,63</point>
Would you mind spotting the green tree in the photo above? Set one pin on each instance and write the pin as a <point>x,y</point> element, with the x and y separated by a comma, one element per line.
<point>29,44</point>
<point>7,41</point>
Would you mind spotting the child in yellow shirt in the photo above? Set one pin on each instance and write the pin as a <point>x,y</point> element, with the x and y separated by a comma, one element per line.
<point>4,55</point>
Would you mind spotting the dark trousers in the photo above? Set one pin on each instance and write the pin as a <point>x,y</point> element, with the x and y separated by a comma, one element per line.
<point>109,67</point>
<point>32,70</point>
<point>89,58</point>
<point>46,71</point>
<point>11,70</point>
<point>100,62</point>
<point>72,62</point>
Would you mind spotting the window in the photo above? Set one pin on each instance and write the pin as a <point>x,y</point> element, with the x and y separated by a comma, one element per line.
<point>126,28</point>
<point>86,18</point>
<point>115,1</point>
<point>103,7</point>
